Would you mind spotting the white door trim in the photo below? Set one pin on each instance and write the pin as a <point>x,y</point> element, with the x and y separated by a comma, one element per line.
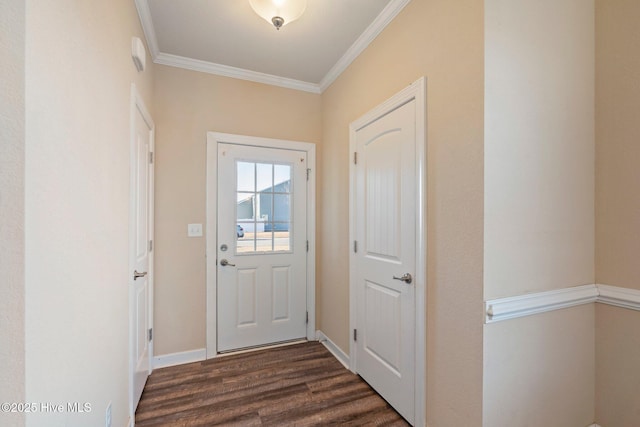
<point>213,138</point>
<point>417,91</point>
<point>137,104</point>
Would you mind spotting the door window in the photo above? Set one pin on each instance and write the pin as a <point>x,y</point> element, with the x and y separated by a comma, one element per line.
<point>263,207</point>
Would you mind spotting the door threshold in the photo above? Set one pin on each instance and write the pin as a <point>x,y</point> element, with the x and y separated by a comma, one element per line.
<point>261,347</point>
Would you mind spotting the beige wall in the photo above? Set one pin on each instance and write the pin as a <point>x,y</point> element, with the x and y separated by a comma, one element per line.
<point>12,338</point>
<point>539,216</point>
<point>617,147</point>
<point>443,41</point>
<point>534,377</point>
<point>188,105</point>
<point>539,151</point>
<point>617,373</point>
<point>617,208</point>
<point>78,77</point>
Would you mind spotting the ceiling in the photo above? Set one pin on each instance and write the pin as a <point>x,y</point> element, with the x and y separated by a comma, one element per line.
<point>226,37</point>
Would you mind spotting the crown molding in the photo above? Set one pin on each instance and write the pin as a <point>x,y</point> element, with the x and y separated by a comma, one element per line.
<point>380,23</point>
<point>238,73</point>
<point>147,27</point>
<point>382,20</point>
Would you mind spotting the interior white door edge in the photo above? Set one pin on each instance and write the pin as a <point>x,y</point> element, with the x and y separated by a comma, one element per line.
<point>141,268</point>
<point>414,92</point>
<point>214,140</point>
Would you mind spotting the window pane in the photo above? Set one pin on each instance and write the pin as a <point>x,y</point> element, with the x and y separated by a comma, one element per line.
<point>265,177</point>
<point>264,241</point>
<point>265,201</point>
<point>245,176</point>
<point>283,187</point>
<point>282,178</point>
<point>282,241</point>
<point>245,237</point>
<point>245,247</point>
<point>281,207</point>
<point>245,206</point>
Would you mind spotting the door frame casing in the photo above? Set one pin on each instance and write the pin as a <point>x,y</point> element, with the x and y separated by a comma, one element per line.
<point>137,104</point>
<point>416,91</point>
<point>213,139</point>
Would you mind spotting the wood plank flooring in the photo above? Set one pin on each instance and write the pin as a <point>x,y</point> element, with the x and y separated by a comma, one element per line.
<point>296,385</point>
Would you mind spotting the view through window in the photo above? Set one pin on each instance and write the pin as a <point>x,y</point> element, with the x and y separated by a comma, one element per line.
<point>263,207</point>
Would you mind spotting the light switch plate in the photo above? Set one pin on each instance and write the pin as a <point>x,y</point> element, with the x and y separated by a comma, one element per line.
<point>194,230</point>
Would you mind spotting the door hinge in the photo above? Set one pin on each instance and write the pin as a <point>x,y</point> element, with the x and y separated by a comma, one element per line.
<point>355,335</point>
<point>307,319</point>
<point>150,334</point>
<point>307,246</point>
<point>308,173</point>
<point>355,157</point>
<point>355,246</point>
<point>151,157</point>
<point>150,245</point>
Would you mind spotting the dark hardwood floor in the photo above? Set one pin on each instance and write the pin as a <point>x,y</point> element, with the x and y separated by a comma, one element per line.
<point>296,385</point>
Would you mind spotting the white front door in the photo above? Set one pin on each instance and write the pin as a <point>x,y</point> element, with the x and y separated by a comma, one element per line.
<point>385,255</point>
<point>261,246</point>
<point>141,217</point>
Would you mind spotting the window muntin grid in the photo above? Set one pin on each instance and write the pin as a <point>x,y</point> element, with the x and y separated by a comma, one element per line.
<point>264,197</point>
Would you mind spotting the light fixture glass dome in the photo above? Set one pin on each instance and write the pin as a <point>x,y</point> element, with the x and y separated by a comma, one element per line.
<point>279,12</point>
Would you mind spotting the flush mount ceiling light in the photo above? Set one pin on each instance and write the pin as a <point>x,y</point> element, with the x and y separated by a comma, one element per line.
<point>279,12</point>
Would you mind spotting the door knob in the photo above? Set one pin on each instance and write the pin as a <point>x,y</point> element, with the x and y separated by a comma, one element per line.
<point>406,277</point>
<point>224,263</point>
<point>136,275</point>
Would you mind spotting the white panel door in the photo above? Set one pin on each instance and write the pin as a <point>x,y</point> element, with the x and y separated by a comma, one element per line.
<point>261,248</point>
<point>141,206</point>
<point>385,257</point>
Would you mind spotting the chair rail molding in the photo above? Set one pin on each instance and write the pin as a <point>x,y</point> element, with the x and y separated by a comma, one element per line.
<point>540,302</point>
<point>513,307</point>
<point>620,297</point>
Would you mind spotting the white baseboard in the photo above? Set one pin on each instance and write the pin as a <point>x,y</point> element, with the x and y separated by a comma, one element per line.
<point>179,358</point>
<point>333,348</point>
